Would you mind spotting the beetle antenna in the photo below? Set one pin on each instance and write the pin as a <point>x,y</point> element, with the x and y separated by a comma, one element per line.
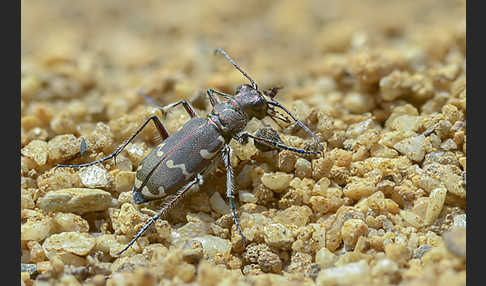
<point>253,83</point>
<point>274,103</point>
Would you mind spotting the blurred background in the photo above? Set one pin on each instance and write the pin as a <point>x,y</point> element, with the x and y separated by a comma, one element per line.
<point>274,41</point>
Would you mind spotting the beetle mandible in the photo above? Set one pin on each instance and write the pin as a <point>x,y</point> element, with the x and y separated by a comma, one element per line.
<point>178,163</point>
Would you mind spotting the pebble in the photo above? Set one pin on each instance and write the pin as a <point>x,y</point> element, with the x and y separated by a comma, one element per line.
<point>218,204</point>
<point>295,215</point>
<point>37,227</point>
<point>384,267</point>
<point>276,181</point>
<point>63,147</point>
<point>276,235</point>
<point>343,275</point>
<point>325,258</point>
<point>455,241</point>
<point>94,176</point>
<point>303,168</point>
<point>65,222</point>
<point>76,200</point>
<point>412,147</point>
<point>213,245</point>
<point>73,242</point>
<point>36,150</point>
<point>247,197</point>
<point>352,230</point>
<point>434,207</point>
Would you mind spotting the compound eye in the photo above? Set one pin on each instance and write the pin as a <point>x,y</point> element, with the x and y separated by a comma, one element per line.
<point>242,87</point>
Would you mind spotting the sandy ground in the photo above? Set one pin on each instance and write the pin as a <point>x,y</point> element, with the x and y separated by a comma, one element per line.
<point>382,84</point>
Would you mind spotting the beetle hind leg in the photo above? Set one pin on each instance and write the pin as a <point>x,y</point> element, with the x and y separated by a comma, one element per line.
<point>162,212</point>
<point>158,125</point>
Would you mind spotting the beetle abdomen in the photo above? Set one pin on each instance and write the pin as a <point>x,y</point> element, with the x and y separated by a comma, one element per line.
<point>177,160</point>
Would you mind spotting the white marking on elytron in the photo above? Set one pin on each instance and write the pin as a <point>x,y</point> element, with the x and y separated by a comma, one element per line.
<point>146,192</point>
<point>170,164</point>
<point>159,152</point>
<point>138,183</point>
<point>162,191</point>
<point>206,154</point>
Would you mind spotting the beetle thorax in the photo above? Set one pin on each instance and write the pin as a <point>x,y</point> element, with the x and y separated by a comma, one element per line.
<point>229,118</point>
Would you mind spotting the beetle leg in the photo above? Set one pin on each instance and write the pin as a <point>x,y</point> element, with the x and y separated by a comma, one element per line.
<point>230,184</point>
<point>180,194</point>
<point>160,128</point>
<point>213,99</point>
<point>166,108</point>
<point>242,136</point>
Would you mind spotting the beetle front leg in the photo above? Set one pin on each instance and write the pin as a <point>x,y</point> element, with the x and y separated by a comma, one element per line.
<point>230,185</point>
<point>242,138</point>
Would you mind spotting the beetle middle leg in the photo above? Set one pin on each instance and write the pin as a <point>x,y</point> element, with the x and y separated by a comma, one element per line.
<point>230,184</point>
<point>189,109</point>
<point>213,99</point>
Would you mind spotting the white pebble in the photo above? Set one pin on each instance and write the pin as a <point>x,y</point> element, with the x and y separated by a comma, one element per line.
<point>94,177</point>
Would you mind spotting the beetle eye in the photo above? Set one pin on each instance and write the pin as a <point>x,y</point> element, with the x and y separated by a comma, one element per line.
<point>242,87</point>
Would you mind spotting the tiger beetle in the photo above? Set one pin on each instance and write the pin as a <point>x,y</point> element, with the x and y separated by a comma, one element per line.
<point>178,163</point>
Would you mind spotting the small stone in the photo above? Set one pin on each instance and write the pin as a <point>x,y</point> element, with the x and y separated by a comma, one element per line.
<point>192,251</point>
<point>66,222</point>
<point>247,197</point>
<point>325,258</point>
<point>412,147</point>
<point>276,235</point>
<point>347,274</point>
<point>352,230</point>
<point>420,251</point>
<point>295,215</point>
<point>36,252</point>
<point>359,102</point>
<point>218,204</point>
<point>75,200</point>
<point>412,219</point>
<point>358,189</point>
<point>270,262</point>
<point>26,200</point>
<point>448,145</point>
<point>455,241</point>
<point>123,180</point>
<point>286,161</point>
<point>63,147</point>
<point>397,252</point>
<point>29,268</point>
<point>213,245</point>
<point>460,220</point>
<point>276,181</point>
<point>69,247</point>
<point>435,205</point>
<point>36,150</point>
<point>37,227</point>
<point>384,267</point>
<point>303,168</point>
<point>94,177</point>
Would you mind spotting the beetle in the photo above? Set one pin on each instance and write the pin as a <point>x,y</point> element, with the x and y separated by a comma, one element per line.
<point>176,164</point>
